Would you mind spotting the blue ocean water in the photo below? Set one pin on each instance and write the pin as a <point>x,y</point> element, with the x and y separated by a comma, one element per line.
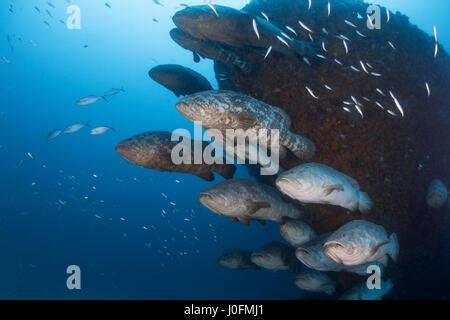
<point>135,233</point>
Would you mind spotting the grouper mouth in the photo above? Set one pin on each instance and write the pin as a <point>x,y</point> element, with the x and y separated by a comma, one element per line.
<point>207,199</point>
<point>305,257</point>
<point>330,249</point>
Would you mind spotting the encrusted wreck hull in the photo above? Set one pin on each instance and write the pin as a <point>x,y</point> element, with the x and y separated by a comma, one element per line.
<point>393,158</point>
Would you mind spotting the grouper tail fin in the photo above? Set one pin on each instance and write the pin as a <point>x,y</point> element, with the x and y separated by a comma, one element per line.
<point>301,147</point>
<point>365,204</point>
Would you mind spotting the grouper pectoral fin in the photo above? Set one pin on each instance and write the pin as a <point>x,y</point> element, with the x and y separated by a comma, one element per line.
<point>330,189</point>
<point>196,57</point>
<point>245,221</point>
<point>207,176</point>
<point>254,207</point>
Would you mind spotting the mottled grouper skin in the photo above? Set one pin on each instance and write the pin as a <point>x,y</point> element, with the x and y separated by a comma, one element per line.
<point>274,257</point>
<point>180,80</point>
<point>312,255</point>
<point>234,197</point>
<point>237,259</point>
<point>211,50</point>
<point>224,110</point>
<point>152,150</point>
<point>234,28</point>
<point>359,242</point>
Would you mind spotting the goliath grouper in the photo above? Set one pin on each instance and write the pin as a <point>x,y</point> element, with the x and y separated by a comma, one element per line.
<point>224,110</point>
<point>359,242</point>
<point>238,29</point>
<point>153,150</point>
<point>245,200</point>
<point>180,80</point>
<point>210,50</point>
<point>237,259</point>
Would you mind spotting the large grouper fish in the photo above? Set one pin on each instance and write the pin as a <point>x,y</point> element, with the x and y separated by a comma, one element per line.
<point>313,256</point>
<point>237,259</point>
<point>321,184</point>
<point>210,50</point>
<point>359,242</point>
<point>153,150</point>
<point>238,29</point>
<point>223,110</point>
<point>180,80</point>
<point>246,200</point>
<point>275,257</point>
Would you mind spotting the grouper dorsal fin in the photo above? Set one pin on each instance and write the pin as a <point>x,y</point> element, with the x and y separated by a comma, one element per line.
<point>254,207</point>
<point>330,189</point>
<point>207,176</point>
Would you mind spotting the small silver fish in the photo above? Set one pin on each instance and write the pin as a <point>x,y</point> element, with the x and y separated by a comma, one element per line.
<point>347,109</point>
<point>75,128</point>
<point>328,87</point>
<point>392,113</point>
<point>379,105</point>
<point>329,8</point>
<point>436,50</point>
<point>101,130</point>
<point>428,88</point>
<point>381,92</point>
<point>376,74</point>
<point>269,50</point>
<point>306,61</point>
<point>54,134</point>
<point>321,56</point>
<point>350,24</point>
<point>309,4</point>
<point>305,27</point>
<point>325,31</point>
<point>265,16</point>
<point>435,34</point>
<point>345,46</point>
<point>255,28</point>
<point>359,111</point>
<point>363,66</point>
<point>323,47</point>
<point>388,14</point>
<point>360,34</point>
<point>291,30</point>
<point>286,36</point>
<point>283,41</point>
<point>89,100</point>
<point>397,104</point>
<point>338,62</point>
<point>392,45</point>
<point>355,69</point>
<point>342,37</point>
<point>312,93</point>
<point>213,8</point>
